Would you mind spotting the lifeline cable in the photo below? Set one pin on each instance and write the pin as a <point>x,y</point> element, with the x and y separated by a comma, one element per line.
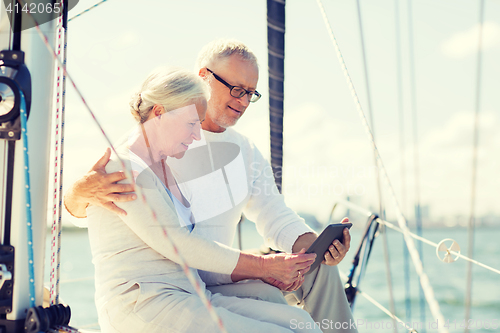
<point>415,236</point>
<point>424,280</point>
<point>380,306</point>
<point>470,243</point>
<point>426,241</point>
<point>129,176</point>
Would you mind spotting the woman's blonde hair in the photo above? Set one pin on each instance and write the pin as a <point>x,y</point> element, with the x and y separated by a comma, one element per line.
<point>172,88</point>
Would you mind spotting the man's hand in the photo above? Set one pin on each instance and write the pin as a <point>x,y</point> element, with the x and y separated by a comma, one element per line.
<point>337,251</point>
<point>98,188</point>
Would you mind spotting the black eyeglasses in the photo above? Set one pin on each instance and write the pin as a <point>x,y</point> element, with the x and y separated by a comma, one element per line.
<point>236,91</point>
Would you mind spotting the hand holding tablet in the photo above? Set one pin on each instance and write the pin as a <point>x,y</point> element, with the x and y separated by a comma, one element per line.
<point>321,244</point>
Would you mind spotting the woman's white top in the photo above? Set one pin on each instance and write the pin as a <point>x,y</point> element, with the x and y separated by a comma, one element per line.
<point>136,249</point>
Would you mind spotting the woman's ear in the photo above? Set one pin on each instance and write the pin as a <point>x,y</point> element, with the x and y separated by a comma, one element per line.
<point>158,110</point>
<point>203,73</point>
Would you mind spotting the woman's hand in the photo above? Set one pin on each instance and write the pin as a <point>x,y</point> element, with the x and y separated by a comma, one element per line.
<point>283,270</point>
<point>287,268</point>
<point>285,287</point>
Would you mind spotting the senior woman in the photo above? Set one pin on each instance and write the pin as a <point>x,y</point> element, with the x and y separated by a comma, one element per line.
<point>140,286</point>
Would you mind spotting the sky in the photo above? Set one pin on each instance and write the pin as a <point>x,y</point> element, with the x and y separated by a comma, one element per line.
<point>327,153</point>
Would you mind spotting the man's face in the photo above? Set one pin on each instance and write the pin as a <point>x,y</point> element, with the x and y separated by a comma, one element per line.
<point>224,110</point>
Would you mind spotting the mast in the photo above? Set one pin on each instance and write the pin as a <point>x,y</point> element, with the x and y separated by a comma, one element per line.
<point>41,67</point>
<point>276,63</point>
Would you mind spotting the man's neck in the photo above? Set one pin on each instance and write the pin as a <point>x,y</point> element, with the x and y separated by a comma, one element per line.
<point>210,126</point>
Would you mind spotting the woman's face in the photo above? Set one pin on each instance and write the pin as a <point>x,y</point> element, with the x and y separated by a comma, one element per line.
<point>177,129</point>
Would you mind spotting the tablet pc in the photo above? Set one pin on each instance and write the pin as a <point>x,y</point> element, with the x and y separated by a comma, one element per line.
<point>321,244</point>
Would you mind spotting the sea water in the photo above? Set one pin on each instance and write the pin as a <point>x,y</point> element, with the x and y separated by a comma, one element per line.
<point>448,280</point>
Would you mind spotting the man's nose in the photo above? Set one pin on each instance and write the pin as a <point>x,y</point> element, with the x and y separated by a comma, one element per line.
<point>245,100</point>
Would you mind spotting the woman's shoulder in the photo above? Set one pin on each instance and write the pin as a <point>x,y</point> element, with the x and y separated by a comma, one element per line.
<point>119,160</point>
<point>126,161</point>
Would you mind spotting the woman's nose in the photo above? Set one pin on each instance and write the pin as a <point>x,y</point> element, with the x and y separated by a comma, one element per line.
<point>196,132</point>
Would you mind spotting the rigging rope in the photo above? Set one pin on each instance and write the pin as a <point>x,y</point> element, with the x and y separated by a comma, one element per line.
<point>416,160</point>
<point>380,306</point>
<point>87,10</point>
<point>367,248</point>
<point>424,280</point>
<point>180,259</point>
<point>395,228</point>
<point>386,311</point>
<point>29,224</point>
<point>379,187</point>
<point>63,114</point>
<point>470,243</point>
<point>388,272</point>
<point>404,206</point>
<point>363,253</point>
<point>55,262</point>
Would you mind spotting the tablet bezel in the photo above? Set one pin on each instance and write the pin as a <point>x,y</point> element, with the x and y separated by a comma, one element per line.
<point>321,244</point>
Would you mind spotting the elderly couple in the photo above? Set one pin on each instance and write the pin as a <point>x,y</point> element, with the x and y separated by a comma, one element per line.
<point>140,285</point>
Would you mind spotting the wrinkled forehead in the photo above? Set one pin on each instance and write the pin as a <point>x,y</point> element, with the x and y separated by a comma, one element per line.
<point>238,72</point>
<point>234,61</point>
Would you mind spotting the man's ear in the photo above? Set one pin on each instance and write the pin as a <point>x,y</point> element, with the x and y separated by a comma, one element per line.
<point>158,110</point>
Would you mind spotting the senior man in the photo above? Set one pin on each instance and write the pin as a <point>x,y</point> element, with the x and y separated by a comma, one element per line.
<point>238,181</point>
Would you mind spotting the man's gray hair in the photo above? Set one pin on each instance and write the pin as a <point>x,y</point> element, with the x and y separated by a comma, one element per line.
<point>221,49</point>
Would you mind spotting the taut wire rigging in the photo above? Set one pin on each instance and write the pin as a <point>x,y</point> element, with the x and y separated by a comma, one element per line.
<point>424,280</point>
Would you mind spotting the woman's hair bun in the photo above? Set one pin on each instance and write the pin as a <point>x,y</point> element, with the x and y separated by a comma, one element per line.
<point>135,104</point>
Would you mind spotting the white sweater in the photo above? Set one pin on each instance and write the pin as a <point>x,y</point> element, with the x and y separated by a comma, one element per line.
<point>228,177</point>
<point>133,250</point>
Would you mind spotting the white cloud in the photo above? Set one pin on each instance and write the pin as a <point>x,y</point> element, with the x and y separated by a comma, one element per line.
<point>324,155</point>
<point>465,43</point>
<point>447,164</point>
<point>125,41</point>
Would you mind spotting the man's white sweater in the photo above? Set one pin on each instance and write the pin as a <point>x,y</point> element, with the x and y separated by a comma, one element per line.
<point>226,176</point>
